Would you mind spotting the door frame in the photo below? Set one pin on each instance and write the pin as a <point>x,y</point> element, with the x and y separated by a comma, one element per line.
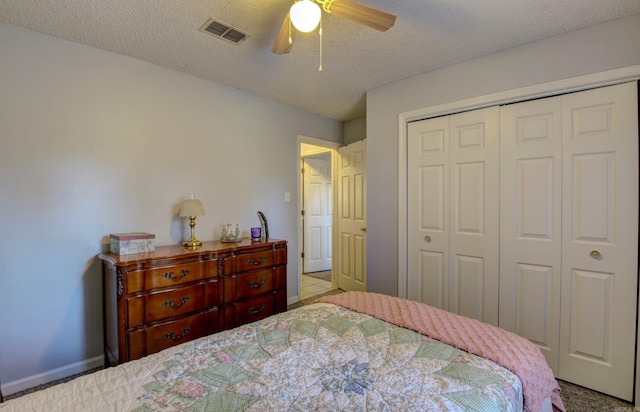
<point>330,147</point>
<point>573,84</point>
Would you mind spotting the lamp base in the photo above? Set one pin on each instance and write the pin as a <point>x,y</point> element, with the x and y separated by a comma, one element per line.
<point>192,243</point>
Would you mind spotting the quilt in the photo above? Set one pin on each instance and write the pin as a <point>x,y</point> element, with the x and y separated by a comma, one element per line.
<point>320,357</point>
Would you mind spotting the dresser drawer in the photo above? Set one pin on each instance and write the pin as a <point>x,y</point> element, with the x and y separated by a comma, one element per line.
<point>248,285</point>
<point>171,303</point>
<point>156,338</point>
<point>251,310</point>
<point>252,261</point>
<point>147,279</point>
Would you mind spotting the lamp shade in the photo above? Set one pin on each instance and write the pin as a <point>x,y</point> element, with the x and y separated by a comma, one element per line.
<point>305,15</point>
<point>191,207</point>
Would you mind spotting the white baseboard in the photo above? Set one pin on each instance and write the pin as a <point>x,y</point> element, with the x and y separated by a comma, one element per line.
<point>49,376</point>
<point>292,300</point>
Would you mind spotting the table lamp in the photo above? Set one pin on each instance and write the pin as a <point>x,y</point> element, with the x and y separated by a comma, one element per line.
<point>192,208</point>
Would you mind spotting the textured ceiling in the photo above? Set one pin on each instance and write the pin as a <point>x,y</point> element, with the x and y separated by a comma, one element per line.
<point>428,34</point>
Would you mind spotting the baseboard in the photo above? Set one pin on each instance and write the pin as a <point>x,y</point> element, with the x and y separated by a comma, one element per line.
<point>292,300</point>
<point>9,388</point>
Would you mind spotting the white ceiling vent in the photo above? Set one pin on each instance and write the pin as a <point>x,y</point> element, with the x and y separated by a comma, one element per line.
<point>223,31</point>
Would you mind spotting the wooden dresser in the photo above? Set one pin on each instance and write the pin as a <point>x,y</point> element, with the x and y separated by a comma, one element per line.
<point>156,300</point>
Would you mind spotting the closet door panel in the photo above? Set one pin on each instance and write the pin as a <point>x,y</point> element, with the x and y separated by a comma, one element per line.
<point>530,209</point>
<point>428,212</point>
<point>600,239</point>
<point>474,218</point>
<point>468,283</point>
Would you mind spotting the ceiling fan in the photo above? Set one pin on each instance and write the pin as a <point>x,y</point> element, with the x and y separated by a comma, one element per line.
<point>347,9</point>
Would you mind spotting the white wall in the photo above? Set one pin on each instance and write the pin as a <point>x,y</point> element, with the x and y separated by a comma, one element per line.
<point>599,48</point>
<point>93,143</point>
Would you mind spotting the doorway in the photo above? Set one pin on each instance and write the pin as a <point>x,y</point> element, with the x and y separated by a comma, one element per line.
<point>316,205</point>
<point>317,225</point>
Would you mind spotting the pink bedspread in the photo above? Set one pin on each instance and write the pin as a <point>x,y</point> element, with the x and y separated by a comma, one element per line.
<point>511,351</point>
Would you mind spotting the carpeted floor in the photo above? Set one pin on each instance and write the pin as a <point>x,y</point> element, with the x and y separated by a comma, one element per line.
<point>575,398</point>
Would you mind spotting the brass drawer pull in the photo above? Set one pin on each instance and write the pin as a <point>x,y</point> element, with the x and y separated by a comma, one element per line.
<point>255,311</point>
<point>256,285</point>
<point>169,303</point>
<point>169,275</point>
<point>595,254</point>
<point>180,336</point>
<point>252,261</point>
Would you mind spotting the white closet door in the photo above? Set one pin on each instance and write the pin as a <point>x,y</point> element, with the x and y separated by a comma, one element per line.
<point>453,226</point>
<point>530,228</point>
<point>474,216</point>
<point>428,212</point>
<point>600,239</point>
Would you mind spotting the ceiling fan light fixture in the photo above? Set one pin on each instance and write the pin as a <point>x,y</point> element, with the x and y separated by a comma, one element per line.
<point>305,15</point>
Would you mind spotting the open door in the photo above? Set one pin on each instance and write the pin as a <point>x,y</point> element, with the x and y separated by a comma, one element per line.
<point>316,213</point>
<point>352,217</point>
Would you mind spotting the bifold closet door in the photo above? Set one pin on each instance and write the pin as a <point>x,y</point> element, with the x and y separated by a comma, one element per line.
<point>453,213</point>
<point>530,222</point>
<point>428,212</point>
<point>600,239</point>
<point>569,232</point>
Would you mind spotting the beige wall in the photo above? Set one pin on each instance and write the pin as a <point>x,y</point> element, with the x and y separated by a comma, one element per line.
<point>355,130</point>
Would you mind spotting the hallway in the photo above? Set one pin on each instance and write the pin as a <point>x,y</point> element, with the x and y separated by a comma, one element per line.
<point>312,286</point>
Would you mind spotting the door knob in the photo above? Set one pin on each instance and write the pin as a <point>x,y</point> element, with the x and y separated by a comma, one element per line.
<point>595,254</point>
<point>363,229</point>
<point>427,238</point>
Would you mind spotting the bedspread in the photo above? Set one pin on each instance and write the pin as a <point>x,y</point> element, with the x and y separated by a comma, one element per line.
<point>318,357</point>
<point>506,348</point>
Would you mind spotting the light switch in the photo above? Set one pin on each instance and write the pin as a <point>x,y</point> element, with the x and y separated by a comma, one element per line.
<point>287,197</point>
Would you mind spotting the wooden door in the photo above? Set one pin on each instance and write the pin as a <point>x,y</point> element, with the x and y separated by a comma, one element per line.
<point>600,239</point>
<point>453,217</point>
<point>352,219</point>
<point>530,222</point>
<point>317,203</point>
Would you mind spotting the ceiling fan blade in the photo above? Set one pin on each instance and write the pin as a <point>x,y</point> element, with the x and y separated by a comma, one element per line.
<point>359,13</point>
<point>282,44</point>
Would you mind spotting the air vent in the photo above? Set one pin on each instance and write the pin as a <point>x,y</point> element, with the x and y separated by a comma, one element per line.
<point>223,31</point>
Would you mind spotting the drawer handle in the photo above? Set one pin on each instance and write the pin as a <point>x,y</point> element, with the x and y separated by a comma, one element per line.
<point>169,303</point>
<point>255,311</point>
<point>184,333</point>
<point>256,285</point>
<point>252,261</point>
<point>169,275</point>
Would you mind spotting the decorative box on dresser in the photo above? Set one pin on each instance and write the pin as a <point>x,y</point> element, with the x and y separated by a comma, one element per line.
<point>156,300</point>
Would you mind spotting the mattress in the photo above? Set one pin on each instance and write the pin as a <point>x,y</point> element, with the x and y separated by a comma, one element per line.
<point>317,357</point>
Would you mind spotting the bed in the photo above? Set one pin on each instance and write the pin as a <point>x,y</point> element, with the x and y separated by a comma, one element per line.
<point>353,351</point>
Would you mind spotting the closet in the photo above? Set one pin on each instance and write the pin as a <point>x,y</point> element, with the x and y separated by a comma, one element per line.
<point>453,217</point>
<point>560,216</point>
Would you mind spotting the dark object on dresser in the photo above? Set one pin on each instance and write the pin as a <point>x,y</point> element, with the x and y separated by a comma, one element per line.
<point>264,224</point>
<point>156,300</point>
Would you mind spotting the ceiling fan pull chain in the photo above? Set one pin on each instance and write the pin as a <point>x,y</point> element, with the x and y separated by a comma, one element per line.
<point>290,39</point>
<point>320,34</point>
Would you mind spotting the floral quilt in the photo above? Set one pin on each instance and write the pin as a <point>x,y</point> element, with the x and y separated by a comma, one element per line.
<point>318,357</point>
